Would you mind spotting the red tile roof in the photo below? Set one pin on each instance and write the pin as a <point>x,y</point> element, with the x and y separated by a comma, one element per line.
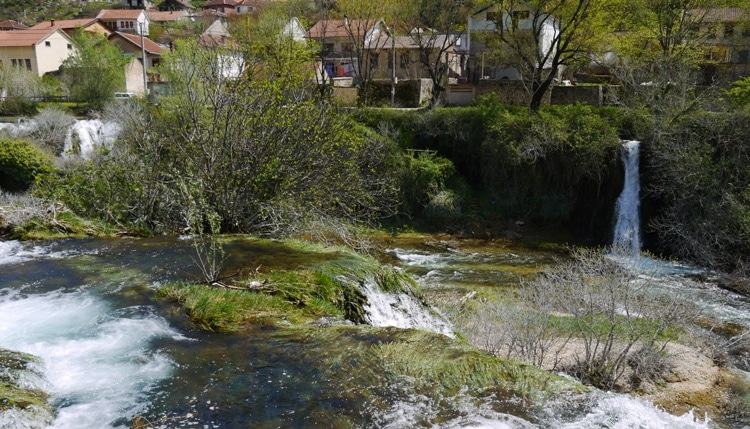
<point>66,24</point>
<point>28,37</point>
<point>220,3</point>
<point>151,46</point>
<point>167,16</point>
<point>11,25</point>
<point>337,28</point>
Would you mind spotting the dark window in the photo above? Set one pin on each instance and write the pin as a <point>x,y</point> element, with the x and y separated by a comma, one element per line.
<point>518,16</point>
<point>28,64</point>
<point>728,30</point>
<point>70,46</point>
<point>47,44</point>
<point>374,59</point>
<point>405,60</point>
<point>493,16</point>
<point>14,62</point>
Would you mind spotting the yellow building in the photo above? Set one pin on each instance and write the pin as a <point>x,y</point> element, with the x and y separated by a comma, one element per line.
<point>37,50</point>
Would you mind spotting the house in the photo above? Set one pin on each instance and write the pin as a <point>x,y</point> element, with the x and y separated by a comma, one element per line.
<point>137,4</point>
<point>216,34</point>
<point>166,17</point>
<point>175,5</point>
<point>228,7</point>
<point>69,26</point>
<point>726,33</point>
<point>482,25</point>
<point>11,25</point>
<point>132,47</point>
<point>410,54</point>
<point>125,21</point>
<point>294,30</point>
<point>337,38</point>
<point>37,50</point>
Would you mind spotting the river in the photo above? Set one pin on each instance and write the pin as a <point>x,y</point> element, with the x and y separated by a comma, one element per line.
<point>110,352</point>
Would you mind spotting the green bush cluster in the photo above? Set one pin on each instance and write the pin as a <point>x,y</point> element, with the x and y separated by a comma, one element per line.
<point>21,164</point>
<point>537,167</point>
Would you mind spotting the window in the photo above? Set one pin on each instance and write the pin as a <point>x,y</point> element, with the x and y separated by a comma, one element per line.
<point>70,46</point>
<point>348,48</point>
<point>728,30</point>
<point>28,64</point>
<point>405,60</point>
<point>14,62</point>
<point>517,17</point>
<point>47,43</point>
<point>374,59</point>
<point>493,16</point>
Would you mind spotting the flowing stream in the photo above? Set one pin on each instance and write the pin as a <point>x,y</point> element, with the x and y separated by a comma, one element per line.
<point>627,236</point>
<point>110,352</point>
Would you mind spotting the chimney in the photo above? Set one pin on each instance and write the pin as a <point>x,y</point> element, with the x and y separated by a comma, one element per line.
<point>51,22</point>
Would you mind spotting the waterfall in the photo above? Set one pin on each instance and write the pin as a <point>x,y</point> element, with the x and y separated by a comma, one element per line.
<point>627,236</point>
<point>401,310</point>
<point>85,136</point>
<point>81,139</point>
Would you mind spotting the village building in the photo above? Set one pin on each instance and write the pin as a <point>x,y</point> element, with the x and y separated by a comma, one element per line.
<point>37,50</point>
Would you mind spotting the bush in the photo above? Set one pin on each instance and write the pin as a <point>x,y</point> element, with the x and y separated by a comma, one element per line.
<point>601,314</point>
<point>51,128</point>
<point>21,164</point>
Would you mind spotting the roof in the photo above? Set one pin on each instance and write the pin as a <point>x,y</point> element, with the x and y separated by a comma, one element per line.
<point>730,14</point>
<point>66,24</point>
<point>338,28</point>
<point>28,37</point>
<point>113,14</point>
<point>151,46</point>
<point>167,16</point>
<point>10,24</point>
<point>220,3</point>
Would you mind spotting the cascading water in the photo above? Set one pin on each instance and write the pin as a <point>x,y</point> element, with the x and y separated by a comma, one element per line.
<point>401,311</point>
<point>81,139</point>
<point>85,136</point>
<point>627,237</point>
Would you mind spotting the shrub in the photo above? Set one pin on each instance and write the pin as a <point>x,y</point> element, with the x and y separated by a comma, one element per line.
<point>21,164</point>
<point>51,128</point>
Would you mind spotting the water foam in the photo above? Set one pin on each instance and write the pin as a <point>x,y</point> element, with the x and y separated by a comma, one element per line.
<point>97,362</point>
<point>401,311</point>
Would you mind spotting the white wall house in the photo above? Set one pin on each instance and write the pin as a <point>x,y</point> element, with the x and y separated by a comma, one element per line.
<point>483,23</point>
<point>125,21</point>
<point>40,51</point>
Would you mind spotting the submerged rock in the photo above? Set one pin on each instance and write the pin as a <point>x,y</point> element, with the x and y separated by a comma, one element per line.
<point>23,405</point>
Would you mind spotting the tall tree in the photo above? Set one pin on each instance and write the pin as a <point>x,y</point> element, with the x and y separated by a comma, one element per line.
<point>360,21</point>
<point>433,26</point>
<point>540,37</point>
<point>95,71</point>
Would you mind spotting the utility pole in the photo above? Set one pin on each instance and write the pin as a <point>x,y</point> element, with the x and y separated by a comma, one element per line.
<point>393,64</point>
<point>143,60</point>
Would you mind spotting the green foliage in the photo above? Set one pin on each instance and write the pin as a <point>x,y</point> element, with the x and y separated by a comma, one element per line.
<point>95,71</point>
<point>536,167</point>
<point>21,164</point>
<point>739,94</point>
<point>697,171</point>
<point>424,175</point>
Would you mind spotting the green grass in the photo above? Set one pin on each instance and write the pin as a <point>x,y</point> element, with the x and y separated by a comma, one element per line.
<point>64,225</point>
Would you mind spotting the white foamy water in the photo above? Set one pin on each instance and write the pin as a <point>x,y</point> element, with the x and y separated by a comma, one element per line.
<point>628,227</point>
<point>97,361</point>
<point>13,252</point>
<point>613,411</point>
<point>401,311</point>
<point>88,135</point>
